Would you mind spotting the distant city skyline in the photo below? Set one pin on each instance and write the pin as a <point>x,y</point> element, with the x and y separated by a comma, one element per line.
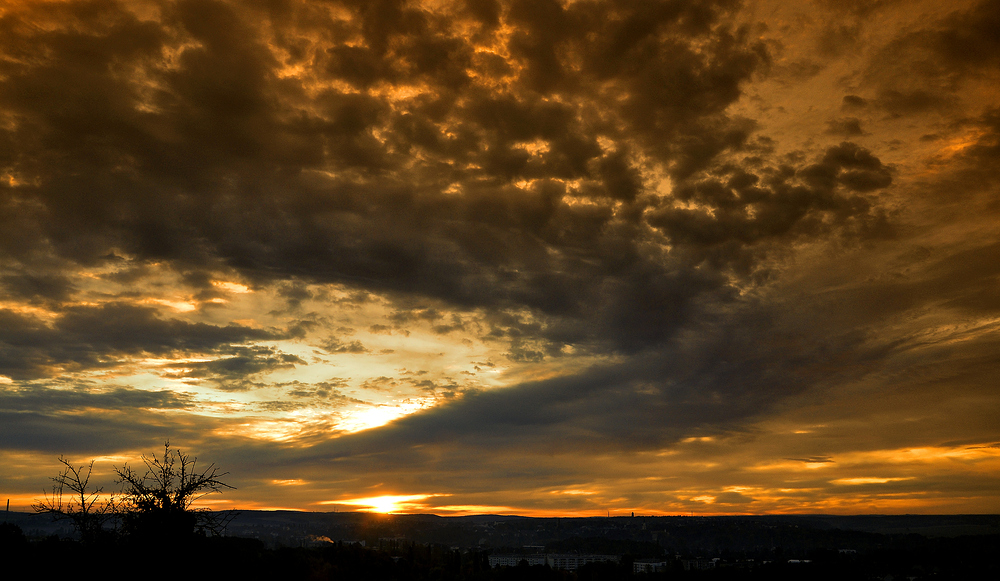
<point>537,257</point>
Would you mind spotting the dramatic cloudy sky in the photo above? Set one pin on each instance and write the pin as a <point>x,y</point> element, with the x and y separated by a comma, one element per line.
<point>536,257</point>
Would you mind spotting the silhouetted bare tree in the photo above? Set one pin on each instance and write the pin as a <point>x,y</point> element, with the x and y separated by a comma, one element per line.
<point>160,501</point>
<point>73,499</point>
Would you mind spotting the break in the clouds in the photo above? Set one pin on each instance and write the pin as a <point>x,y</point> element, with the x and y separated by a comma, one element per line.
<point>530,256</point>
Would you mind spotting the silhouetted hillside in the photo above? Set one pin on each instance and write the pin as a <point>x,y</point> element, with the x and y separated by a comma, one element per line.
<point>290,545</point>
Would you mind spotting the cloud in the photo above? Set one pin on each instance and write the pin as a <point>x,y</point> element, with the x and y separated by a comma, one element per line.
<point>732,498</point>
<point>79,419</point>
<point>38,288</point>
<point>83,337</point>
<point>927,67</point>
<point>240,165</point>
<point>845,126</point>
<point>718,379</point>
<point>740,210</point>
<point>853,102</point>
<point>51,400</point>
<point>655,221</point>
<point>335,345</point>
<point>235,371</point>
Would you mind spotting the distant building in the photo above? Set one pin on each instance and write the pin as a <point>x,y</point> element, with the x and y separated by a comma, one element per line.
<point>698,564</point>
<point>573,562</point>
<point>649,566</point>
<point>514,559</point>
<point>555,561</point>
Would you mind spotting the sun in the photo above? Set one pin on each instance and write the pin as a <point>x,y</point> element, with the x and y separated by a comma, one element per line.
<point>386,504</point>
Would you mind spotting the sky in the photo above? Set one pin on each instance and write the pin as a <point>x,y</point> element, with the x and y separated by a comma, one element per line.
<point>539,257</point>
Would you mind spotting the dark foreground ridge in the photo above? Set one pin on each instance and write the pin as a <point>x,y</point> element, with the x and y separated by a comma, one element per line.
<point>303,545</point>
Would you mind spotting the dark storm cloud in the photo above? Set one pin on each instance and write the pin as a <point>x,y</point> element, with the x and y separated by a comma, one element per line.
<point>858,7</point>
<point>212,157</point>
<point>182,140</point>
<point>717,381</point>
<point>913,102</point>
<point>335,345</point>
<point>844,126</point>
<point>923,70</point>
<point>324,390</point>
<point>78,420</point>
<point>812,460</point>
<point>743,210</point>
<point>963,280</point>
<point>90,433</point>
<point>47,400</point>
<point>235,371</point>
<point>853,103</point>
<point>983,154</point>
<point>295,293</point>
<point>967,39</point>
<point>732,498</point>
<point>86,337</point>
<point>971,176</point>
<point>38,288</point>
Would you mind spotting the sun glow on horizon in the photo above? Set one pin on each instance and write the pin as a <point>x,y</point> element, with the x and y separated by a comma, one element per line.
<point>388,503</point>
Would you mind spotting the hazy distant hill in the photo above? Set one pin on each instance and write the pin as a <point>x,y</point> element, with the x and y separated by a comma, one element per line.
<point>291,528</point>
